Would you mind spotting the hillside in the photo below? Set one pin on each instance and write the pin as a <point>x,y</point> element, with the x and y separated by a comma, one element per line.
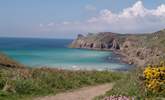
<point>138,49</point>
<point>8,62</point>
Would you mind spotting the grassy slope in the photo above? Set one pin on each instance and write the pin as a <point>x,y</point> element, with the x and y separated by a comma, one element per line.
<point>18,83</point>
<point>131,85</point>
<point>156,39</point>
<point>5,61</point>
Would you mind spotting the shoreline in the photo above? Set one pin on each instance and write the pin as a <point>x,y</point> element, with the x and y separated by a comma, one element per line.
<point>122,57</point>
<point>135,49</point>
<point>101,68</point>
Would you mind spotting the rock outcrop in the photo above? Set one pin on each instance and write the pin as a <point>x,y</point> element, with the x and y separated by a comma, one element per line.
<point>141,56</point>
<point>101,41</point>
<point>137,49</point>
<point>144,49</point>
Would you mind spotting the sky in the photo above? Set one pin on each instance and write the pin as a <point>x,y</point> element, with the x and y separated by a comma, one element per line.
<point>67,18</point>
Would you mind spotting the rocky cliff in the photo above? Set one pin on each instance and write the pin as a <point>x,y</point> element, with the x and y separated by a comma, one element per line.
<point>100,41</point>
<point>138,49</point>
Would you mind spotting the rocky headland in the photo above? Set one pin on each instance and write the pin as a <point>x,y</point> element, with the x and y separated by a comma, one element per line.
<point>137,49</point>
<point>100,41</point>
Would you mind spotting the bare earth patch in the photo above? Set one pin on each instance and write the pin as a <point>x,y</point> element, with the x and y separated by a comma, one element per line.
<point>86,93</point>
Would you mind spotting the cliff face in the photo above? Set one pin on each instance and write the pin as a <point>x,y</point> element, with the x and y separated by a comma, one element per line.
<point>100,41</point>
<point>140,54</point>
<point>138,49</point>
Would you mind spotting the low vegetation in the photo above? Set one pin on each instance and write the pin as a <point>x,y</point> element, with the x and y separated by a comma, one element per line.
<point>128,86</point>
<point>20,83</point>
<point>5,61</point>
<point>155,79</point>
<point>141,83</point>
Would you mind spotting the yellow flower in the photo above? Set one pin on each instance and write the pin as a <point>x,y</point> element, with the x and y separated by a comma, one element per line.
<point>155,76</point>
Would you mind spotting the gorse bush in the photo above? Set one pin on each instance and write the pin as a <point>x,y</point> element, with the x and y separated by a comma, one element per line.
<point>155,77</point>
<point>141,83</point>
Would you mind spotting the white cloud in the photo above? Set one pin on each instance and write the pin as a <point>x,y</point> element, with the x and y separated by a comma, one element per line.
<point>51,24</point>
<point>66,23</point>
<point>132,19</point>
<point>41,25</point>
<point>160,11</point>
<point>90,8</point>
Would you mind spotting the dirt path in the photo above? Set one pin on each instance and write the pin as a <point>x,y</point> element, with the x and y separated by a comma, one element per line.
<point>86,93</point>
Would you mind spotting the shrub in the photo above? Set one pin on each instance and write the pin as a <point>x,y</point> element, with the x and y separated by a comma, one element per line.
<point>129,86</point>
<point>142,84</point>
<point>155,77</point>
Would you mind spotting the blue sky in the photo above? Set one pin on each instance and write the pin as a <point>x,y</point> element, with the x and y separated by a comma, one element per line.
<point>67,18</point>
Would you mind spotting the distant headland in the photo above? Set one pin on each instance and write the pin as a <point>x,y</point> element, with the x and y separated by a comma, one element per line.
<point>138,49</point>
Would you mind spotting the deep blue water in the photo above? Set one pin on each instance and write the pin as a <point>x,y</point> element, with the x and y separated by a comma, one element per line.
<point>55,53</point>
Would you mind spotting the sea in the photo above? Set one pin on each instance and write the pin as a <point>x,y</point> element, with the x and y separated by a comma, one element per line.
<point>54,53</point>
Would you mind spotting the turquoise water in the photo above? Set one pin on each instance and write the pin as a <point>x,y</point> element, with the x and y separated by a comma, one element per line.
<point>54,53</point>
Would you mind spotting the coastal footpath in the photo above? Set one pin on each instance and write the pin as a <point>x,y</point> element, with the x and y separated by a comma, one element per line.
<point>137,49</point>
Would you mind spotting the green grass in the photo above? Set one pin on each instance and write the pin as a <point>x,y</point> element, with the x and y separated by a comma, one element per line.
<point>25,83</point>
<point>132,85</point>
<point>6,61</point>
<point>128,86</point>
